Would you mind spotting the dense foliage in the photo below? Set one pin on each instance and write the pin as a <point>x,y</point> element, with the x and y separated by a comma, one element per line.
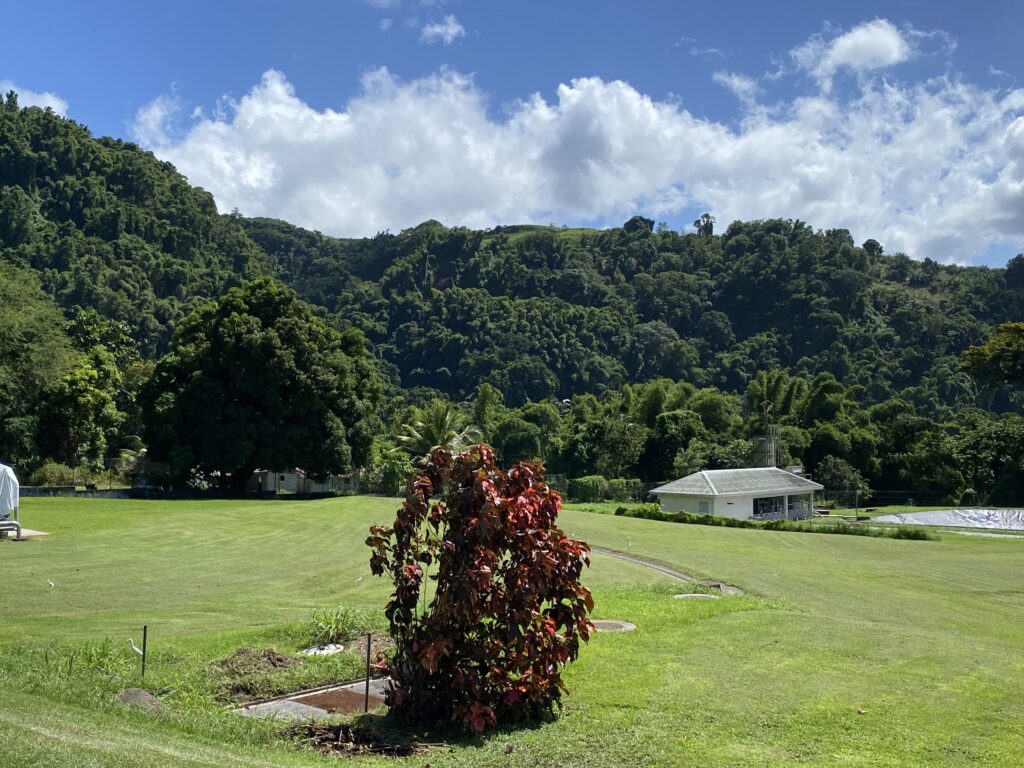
<point>544,313</point>
<point>634,352</point>
<point>1001,357</point>
<point>255,380</point>
<point>508,612</point>
<point>108,226</point>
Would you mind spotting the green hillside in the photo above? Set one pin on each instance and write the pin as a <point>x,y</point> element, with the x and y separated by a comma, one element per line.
<point>106,225</point>
<point>542,312</point>
<point>669,345</point>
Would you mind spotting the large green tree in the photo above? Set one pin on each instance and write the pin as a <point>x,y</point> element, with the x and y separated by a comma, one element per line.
<point>1001,358</point>
<point>257,380</point>
<point>34,353</point>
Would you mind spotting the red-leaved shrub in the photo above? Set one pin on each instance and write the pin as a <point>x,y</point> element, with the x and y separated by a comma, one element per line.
<point>508,612</point>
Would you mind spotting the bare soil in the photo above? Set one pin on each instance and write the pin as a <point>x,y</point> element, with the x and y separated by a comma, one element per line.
<point>346,739</point>
<point>243,672</point>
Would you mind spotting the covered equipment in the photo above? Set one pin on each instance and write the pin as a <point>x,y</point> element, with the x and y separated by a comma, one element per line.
<point>9,492</point>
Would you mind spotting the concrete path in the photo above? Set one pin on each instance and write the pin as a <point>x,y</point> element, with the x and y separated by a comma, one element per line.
<point>725,589</point>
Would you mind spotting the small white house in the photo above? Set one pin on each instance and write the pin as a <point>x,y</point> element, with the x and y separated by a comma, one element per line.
<point>759,493</point>
<point>297,481</point>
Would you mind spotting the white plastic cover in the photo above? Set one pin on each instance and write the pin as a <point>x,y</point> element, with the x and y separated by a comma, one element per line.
<point>8,491</point>
<point>1006,519</point>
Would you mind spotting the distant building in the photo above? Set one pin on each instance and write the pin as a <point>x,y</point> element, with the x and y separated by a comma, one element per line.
<point>297,481</point>
<point>760,493</point>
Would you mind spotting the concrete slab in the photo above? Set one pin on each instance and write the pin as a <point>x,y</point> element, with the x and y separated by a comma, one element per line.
<point>613,625</point>
<point>697,596</point>
<point>291,707</point>
<point>26,533</point>
<point>284,709</point>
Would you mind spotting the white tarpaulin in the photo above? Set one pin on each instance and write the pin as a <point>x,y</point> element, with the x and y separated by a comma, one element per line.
<point>8,491</point>
<point>1006,519</point>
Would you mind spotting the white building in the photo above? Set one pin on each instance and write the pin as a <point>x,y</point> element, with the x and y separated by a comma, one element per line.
<point>297,481</point>
<point>761,493</point>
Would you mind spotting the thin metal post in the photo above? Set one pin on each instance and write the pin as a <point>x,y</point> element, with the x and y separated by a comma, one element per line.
<point>366,698</point>
<point>145,633</point>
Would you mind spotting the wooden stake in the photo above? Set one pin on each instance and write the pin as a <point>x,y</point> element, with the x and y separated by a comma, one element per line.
<point>366,699</point>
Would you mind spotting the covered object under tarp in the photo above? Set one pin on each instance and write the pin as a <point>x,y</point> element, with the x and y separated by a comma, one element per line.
<point>1003,519</point>
<point>9,491</point>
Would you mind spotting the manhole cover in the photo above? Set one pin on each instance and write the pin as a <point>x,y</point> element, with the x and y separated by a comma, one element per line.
<point>613,625</point>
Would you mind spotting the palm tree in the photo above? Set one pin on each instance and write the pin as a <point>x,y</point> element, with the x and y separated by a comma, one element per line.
<point>437,425</point>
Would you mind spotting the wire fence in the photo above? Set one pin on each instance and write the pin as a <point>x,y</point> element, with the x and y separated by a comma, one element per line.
<point>849,498</point>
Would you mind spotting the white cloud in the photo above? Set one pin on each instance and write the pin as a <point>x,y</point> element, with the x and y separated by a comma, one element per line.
<point>706,53</point>
<point>27,98</point>
<point>385,24</point>
<point>446,31</point>
<point>152,122</point>
<point>933,168</point>
<point>744,88</point>
<point>868,46</point>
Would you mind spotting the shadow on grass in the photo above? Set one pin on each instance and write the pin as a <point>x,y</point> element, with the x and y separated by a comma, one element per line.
<point>385,735</point>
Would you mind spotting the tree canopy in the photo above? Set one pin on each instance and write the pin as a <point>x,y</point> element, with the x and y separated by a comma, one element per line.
<point>256,380</point>
<point>1001,357</point>
<point>634,350</point>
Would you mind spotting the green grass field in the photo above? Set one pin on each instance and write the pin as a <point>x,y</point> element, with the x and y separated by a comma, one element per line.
<point>845,651</point>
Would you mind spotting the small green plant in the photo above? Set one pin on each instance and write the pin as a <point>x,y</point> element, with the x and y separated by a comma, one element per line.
<point>336,625</point>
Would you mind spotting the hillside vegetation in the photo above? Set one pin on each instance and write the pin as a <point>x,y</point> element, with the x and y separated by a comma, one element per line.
<point>541,312</point>
<point>633,352</point>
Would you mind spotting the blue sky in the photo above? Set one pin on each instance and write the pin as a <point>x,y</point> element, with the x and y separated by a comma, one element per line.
<point>898,121</point>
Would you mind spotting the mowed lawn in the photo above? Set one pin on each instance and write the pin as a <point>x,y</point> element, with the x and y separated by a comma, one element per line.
<point>845,651</point>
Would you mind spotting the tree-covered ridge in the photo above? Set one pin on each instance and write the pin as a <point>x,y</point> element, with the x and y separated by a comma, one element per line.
<point>108,226</point>
<point>543,312</point>
<point>636,352</point>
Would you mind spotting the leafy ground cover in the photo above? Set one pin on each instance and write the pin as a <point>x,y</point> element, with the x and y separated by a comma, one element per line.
<point>845,651</point>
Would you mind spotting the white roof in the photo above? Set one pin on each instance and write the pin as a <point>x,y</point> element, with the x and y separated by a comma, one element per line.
<point>739,482</point>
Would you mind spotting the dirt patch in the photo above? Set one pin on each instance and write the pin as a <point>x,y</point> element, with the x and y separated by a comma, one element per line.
<point>346,739</point>
<point>244,672</point>
<point>381,643</point>
<point>143,700</point>
<point>339,700</point>
<point>248,661</point>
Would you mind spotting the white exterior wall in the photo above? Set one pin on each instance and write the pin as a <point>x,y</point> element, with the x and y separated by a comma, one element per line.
<point>736,507</point>
<point>672,502</point>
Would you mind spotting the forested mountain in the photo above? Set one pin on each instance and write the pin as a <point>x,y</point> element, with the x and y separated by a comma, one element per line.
<point>542,312</point>
<point>108,226</point>
<point>635,351</point>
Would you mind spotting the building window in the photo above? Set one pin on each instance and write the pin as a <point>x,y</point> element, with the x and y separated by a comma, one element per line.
<point>704,507</point>
<point>771,508</point>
